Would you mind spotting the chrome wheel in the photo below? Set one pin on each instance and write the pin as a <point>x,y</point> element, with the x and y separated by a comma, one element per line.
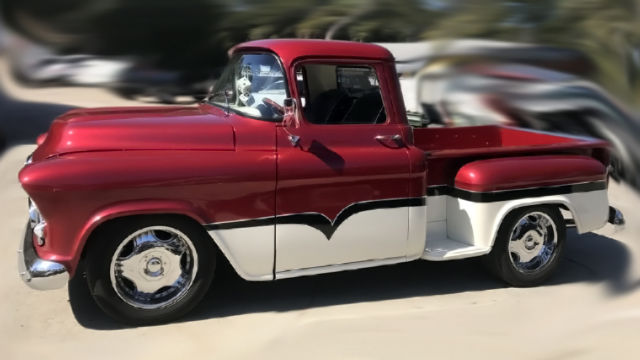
<point>533,242</point>
<point>154,267</point>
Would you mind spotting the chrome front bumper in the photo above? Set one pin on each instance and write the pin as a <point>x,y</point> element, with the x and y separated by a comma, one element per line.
<point>37,273</point>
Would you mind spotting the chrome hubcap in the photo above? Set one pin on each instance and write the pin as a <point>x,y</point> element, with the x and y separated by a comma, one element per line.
<point>154,267</point>
<point>533,242</point>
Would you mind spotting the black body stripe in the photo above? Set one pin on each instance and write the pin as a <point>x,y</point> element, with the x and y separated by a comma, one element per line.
<point>328,227</point>
<point>241,224</point>
<point>320,221</point>
<point>514,194</point>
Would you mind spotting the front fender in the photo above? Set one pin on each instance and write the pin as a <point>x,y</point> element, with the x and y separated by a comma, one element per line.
<point>132,208</point>
<point>77,192</point>
<point>80,234</point>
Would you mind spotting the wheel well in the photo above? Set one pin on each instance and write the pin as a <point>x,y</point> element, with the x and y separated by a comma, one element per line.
<point>557,205</point>
<point>549,205</point>
<point>106,225</point>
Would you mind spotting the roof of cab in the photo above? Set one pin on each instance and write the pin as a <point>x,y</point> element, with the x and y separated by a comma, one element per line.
<point>291,49</point>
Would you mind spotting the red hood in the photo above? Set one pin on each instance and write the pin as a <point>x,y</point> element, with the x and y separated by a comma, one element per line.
<point>136,128</point>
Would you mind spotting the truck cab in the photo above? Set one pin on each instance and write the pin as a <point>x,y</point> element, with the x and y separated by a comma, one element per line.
<point>299,162</point>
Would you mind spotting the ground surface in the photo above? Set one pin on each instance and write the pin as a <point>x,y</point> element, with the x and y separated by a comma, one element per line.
<point>590,309</point>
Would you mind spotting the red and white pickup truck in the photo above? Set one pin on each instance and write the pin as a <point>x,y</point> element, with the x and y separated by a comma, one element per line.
<point>300,162</point>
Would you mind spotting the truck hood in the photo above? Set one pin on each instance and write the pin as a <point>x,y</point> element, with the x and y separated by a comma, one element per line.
<point>136,128</point>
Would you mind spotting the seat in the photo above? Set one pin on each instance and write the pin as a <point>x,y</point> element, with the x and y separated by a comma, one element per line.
<point>367,109</point>
<point>323,109</point>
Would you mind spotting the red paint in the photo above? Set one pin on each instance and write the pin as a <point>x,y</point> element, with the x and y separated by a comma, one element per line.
<point>445,141</point>
<point>209,186</point>
<point>290,50</point>
<point>337,165</point>
<point>157,128</point>
<point>40,139</point>
<point>98,164</point>
<point>528,171</point>
<point>448,149</point>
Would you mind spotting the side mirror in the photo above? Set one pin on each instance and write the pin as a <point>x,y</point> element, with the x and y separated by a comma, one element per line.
<point>290,117</point>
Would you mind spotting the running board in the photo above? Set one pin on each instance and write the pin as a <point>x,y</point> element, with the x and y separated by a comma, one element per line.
<point>448,249</point>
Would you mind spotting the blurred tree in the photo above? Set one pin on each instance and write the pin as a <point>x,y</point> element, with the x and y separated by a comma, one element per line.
<point>60,28</point>
<point>268,19</point>
<point>176,33</point>
<point>607,31</point>
<point>197,33</point>
<point>393,21</point>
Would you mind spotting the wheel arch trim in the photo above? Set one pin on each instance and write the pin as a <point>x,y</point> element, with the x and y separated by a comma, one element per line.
<point>555,201</point>
<point>131,208</point>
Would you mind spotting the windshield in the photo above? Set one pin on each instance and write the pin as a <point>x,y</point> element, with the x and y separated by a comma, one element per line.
<point>254,86</point>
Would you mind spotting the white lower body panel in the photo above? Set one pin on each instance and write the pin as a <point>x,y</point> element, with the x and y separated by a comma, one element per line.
<point>469,228</point>
<point>448,228</point>
<point>368,235</point>
<point>250,250</point>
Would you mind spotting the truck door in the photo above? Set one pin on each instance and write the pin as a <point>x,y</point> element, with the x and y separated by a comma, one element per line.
<point>343,187</point>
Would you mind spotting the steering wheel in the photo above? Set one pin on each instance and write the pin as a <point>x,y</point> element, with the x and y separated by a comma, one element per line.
<point>274,105</point>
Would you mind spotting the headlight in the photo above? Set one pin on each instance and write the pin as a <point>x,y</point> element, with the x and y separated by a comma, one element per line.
<point>34,214</point>
<point>36,222</point>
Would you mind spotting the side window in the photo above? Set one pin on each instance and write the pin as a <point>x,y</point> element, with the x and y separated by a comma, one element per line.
<point>337,94</point>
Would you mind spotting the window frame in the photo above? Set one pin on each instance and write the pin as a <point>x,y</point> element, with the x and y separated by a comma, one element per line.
<point>376,66</point>
<point>285,79</point>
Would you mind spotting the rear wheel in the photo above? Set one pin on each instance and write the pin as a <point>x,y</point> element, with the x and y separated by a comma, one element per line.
<point>148,270</point>
<point>528,246</point>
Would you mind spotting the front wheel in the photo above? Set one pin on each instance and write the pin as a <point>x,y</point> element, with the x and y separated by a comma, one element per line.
<point>148,270</point>
<point>528,246</point>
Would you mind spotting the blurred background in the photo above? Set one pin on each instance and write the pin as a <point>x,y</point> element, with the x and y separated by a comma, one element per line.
<point>565,65</point>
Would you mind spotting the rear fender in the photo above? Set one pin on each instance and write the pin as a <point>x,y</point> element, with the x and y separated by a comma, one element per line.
<point>582,206</point>
<point>478,222</point>
<point>492,188</point>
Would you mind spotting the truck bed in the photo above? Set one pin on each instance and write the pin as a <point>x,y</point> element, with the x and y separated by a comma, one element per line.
<point>447,149</point>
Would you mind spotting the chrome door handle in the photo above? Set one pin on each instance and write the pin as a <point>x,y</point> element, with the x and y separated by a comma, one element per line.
<point>395,137</point>
<point>390,140</point>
